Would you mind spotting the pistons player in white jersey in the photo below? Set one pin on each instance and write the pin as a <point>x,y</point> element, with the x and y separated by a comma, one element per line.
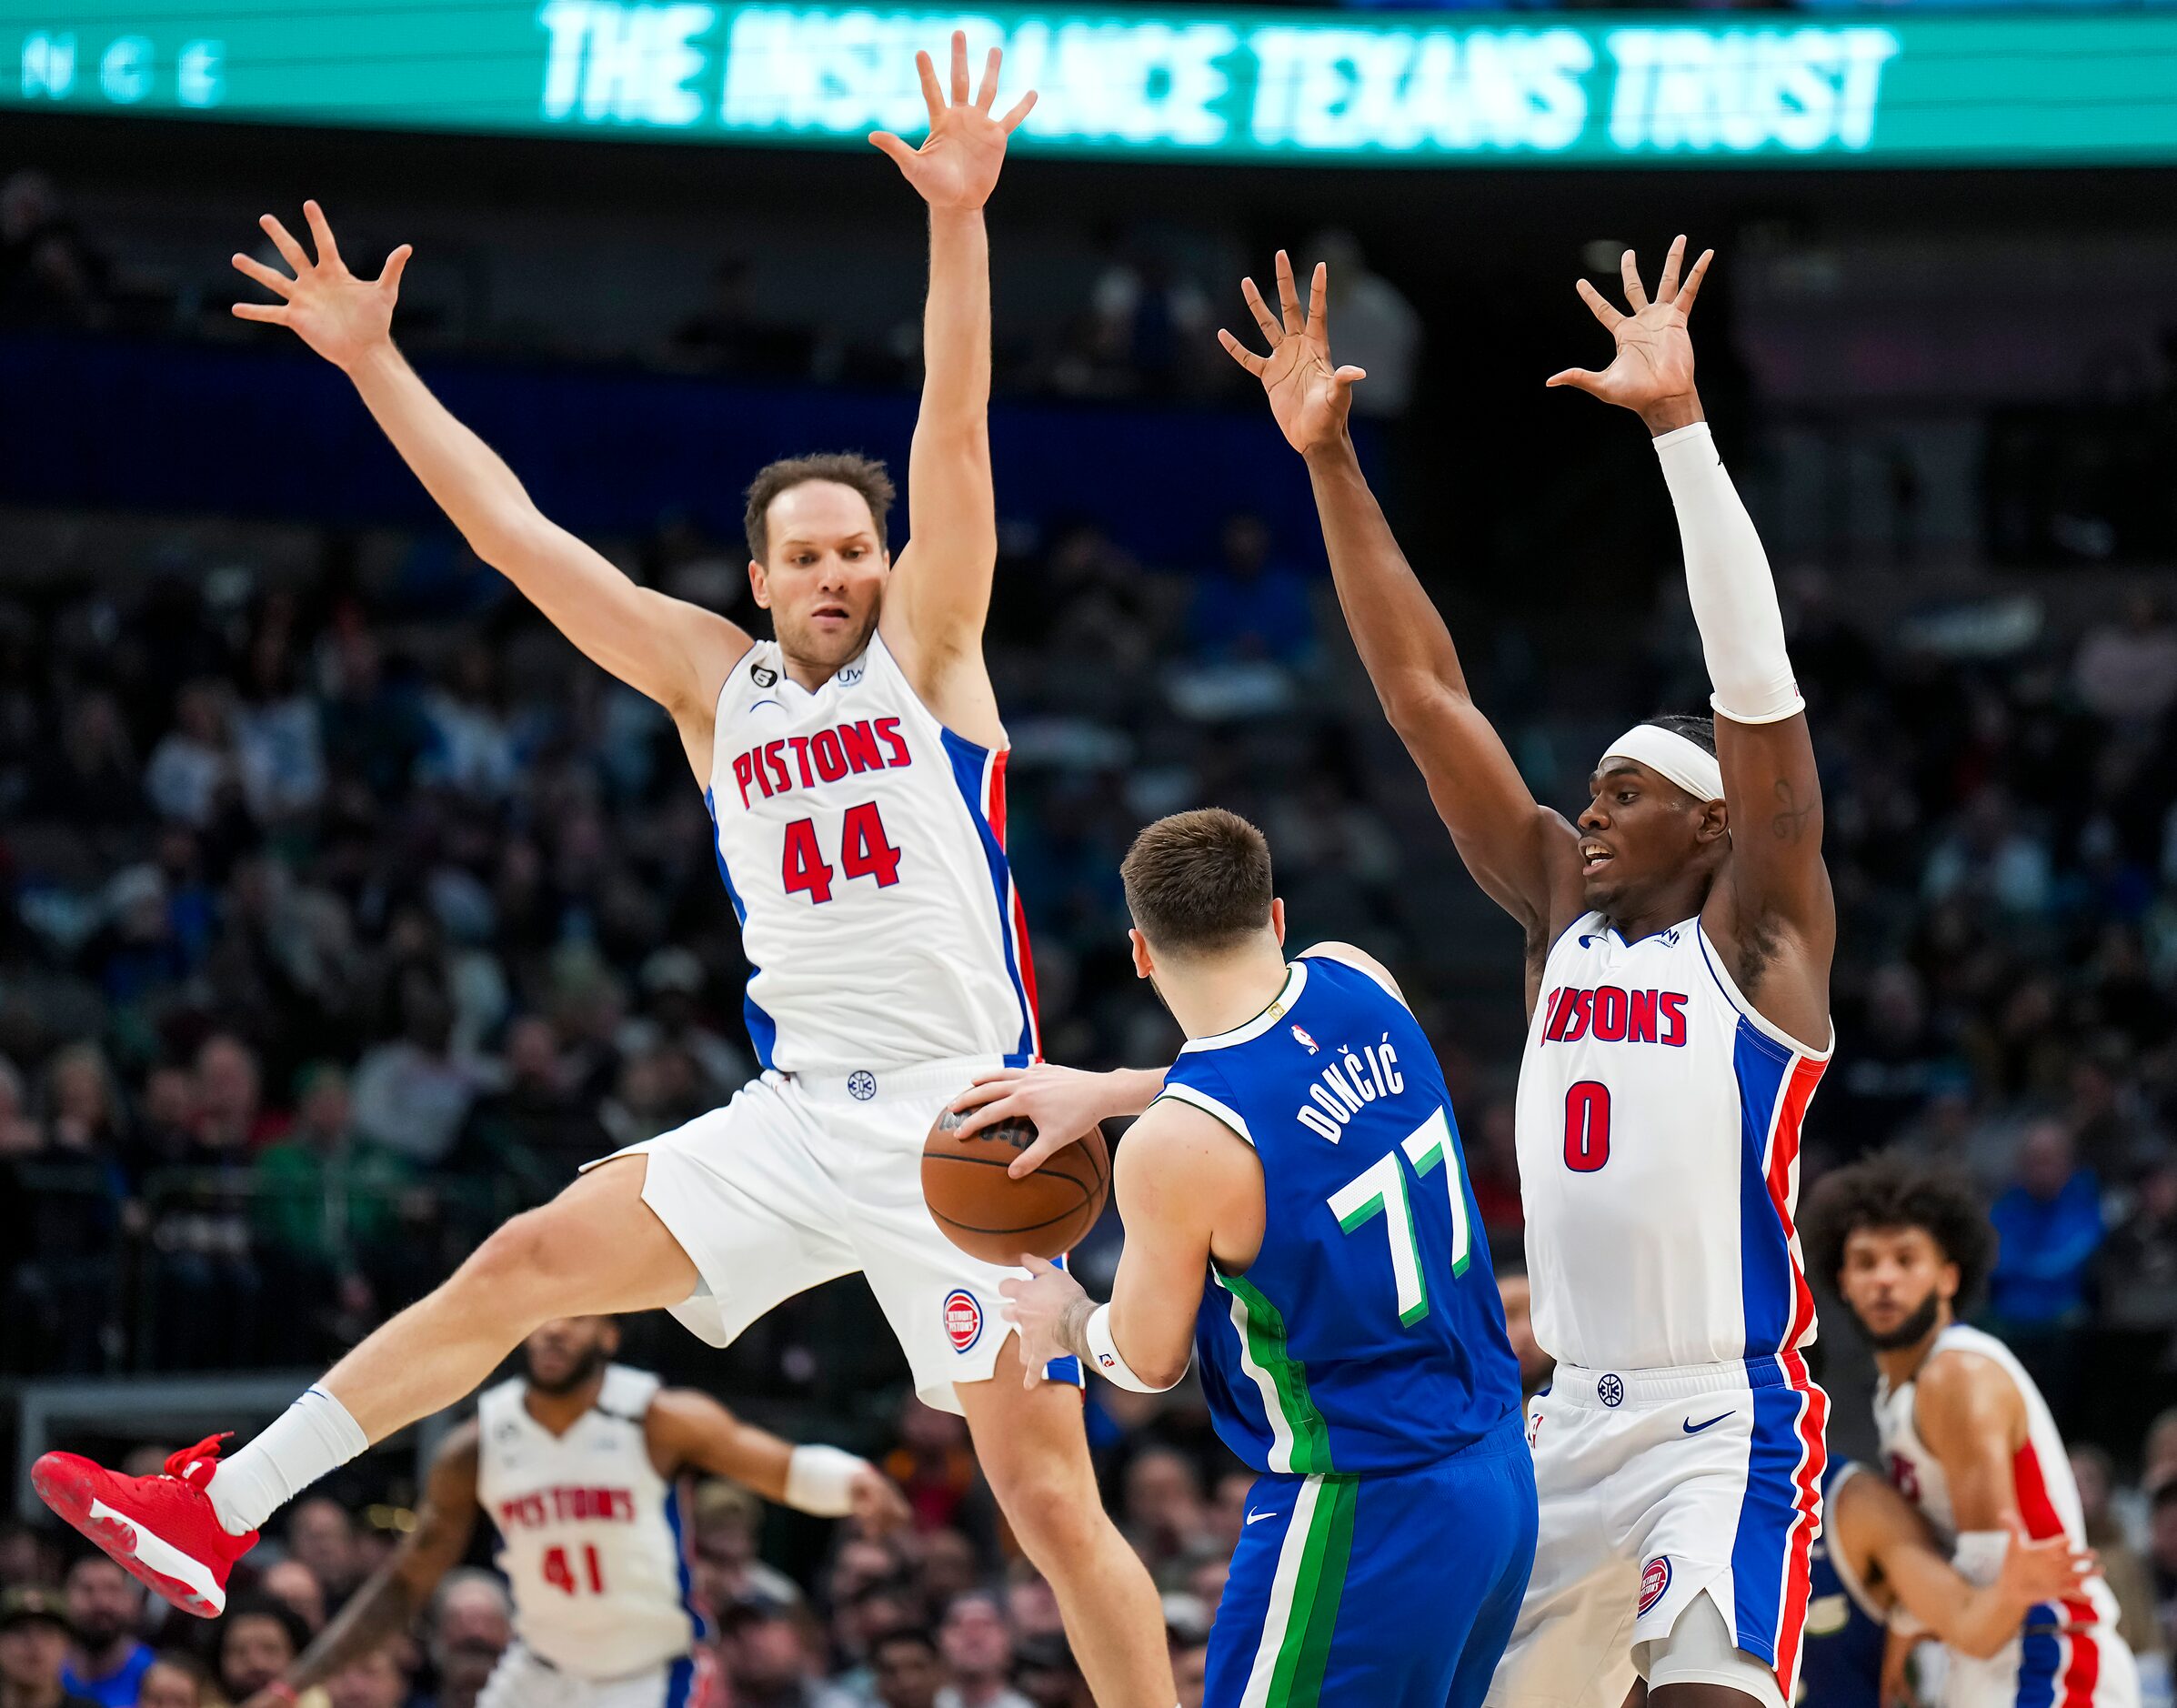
<point>581,1464</point>
<point>1966,1436</point>
<point>1679,938</point>
<point>854,766</point>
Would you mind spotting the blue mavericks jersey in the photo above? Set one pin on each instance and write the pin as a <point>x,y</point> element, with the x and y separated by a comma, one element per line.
<point>1840,1662</point>
<point>1367,1336</point>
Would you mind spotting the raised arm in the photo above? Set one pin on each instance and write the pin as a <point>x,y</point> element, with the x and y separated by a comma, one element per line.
<point>1524,855</point>
<point>1775,895</point>
<point>940,591</point>
<point>387,1606</point>
<point>689,1430</point>
<point>676,653</point>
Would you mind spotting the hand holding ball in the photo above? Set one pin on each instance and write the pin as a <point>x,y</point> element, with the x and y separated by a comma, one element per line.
<point>988,1213</point>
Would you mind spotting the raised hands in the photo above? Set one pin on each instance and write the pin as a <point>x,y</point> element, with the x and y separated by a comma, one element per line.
<point>1310,397</point>
<point>1652,371</point>
<point>958,162</point>
<point>336,314</point>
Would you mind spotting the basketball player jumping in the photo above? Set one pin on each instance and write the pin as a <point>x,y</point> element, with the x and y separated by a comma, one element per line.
<point>580,1463</point>
<point>1969,1440</point>
<point>1678,938</point>
<point>855,769</point>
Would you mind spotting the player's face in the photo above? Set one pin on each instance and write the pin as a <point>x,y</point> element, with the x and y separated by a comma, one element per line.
<point>824,579</point>
<point>1898,1282</point>
<point>1639,832</point>
<point>567,1352</point>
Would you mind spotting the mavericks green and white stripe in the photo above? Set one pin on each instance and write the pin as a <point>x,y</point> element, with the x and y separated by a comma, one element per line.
<point>1304,1597</point>
<point>1299,1442</point>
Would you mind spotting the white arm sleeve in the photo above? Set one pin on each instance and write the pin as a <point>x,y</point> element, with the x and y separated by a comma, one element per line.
<point>1728,580</point>
<point>1978,1557</point>
<point>1112,1364</point>
<point>820,1481</point>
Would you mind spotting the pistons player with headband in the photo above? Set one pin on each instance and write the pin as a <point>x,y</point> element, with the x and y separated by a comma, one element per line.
<point>581,1464</point>
<point>1965,1435</point>
<point>1679,938</point>
<point>853,766</point>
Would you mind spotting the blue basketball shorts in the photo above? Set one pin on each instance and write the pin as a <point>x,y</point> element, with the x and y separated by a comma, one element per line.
<point>1395,1591</point>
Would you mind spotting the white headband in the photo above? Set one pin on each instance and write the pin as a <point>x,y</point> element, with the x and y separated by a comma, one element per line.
<point>1669,754</point>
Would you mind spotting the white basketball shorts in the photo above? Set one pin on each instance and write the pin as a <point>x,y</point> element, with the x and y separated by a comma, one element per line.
<point>2053,1662</point>
<point>1655,1486</point>
<point>524,1679</point>
<point>804,1177</point>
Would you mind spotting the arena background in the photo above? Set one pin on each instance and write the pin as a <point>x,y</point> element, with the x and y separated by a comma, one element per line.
<point>344,908</point>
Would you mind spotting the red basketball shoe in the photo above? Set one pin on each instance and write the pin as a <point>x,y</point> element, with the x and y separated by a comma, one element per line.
<point>161,1530</point>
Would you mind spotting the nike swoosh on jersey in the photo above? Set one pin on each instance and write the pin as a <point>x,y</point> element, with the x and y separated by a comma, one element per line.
<point>1691,1428</point>
<point>1256,1518</point>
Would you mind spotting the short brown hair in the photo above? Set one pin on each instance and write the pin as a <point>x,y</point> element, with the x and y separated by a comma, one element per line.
<point>866,475</point>
<point>1198,881</point>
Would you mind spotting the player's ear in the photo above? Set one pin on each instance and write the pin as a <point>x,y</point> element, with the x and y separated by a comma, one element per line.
<point>1277,919</point>
<point>759,583</point>
<point>1143,966</point>
<point>1715,821</point>
<point>1946,1283</point>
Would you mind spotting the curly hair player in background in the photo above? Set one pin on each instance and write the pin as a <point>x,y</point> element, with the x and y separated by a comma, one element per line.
<point>1966,1436</point>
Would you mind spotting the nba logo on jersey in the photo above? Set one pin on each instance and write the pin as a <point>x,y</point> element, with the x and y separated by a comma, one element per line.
<point>1301,1036</point>
<point>1655,1579</point>
<point>963,1320</point>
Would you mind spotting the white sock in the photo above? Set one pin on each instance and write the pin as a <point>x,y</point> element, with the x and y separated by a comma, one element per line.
<point>312,1436</point>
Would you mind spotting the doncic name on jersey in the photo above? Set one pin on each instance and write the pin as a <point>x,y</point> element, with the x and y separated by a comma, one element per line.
<point>1352,1082</point>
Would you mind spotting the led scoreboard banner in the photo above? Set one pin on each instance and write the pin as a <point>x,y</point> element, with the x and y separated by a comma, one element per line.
<point>1424,89</point>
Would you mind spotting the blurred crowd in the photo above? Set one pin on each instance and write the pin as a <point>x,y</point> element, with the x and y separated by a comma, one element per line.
<point>1138,322</point>
<point>945,1614</point>
<point>344,910</point>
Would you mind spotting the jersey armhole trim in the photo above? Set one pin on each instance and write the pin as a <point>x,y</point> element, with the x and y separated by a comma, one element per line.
<point>877,643</point>
<point>1761,1022</point>
<point>1195,1098</point>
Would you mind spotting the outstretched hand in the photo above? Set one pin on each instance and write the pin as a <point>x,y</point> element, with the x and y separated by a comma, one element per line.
<point>958,162</point>
<point>336,314</point>
<point>1309,398</point>
<point>1652,371</point>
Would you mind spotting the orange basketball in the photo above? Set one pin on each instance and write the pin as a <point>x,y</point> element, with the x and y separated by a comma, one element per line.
<point>988,1213</point>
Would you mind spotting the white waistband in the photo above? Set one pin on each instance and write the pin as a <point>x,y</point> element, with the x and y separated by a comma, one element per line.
<point>931,1081</point>
<point>1609,1390</point>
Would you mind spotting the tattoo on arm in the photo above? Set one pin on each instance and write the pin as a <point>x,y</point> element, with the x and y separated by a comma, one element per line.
<point>1790,822</point>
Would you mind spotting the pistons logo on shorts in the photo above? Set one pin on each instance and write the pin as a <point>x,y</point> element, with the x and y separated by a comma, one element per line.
<point>1655,1581</point>
<point>963,1320</point>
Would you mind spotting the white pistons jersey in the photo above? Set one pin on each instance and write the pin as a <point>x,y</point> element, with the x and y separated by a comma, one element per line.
<point>864,845</point>
<point>1659,1127</point>
<point>2040,1471</point>
<point>592,1538</point>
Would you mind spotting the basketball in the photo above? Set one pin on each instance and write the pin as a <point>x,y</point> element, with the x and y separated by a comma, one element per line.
<point>988,1213</point>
